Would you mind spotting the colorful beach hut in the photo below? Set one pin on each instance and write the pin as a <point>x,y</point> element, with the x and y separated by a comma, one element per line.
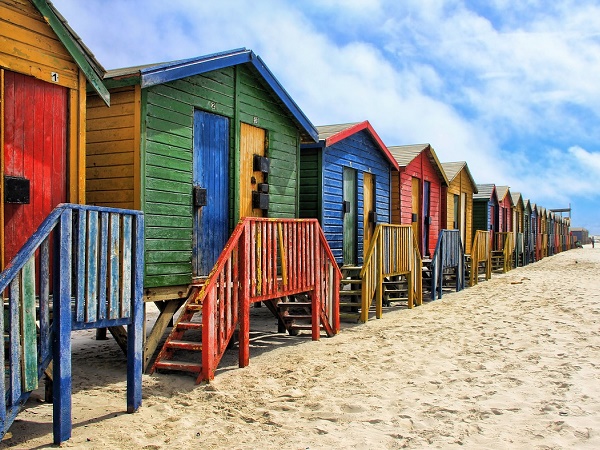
<point>198,145</point>
<point>417,193</point>
<point>44,71</point>
<point>458,201</point>
<point>528,232</point>
<point>345,184</point>
<point>485,209</point>
<point>518,228</point>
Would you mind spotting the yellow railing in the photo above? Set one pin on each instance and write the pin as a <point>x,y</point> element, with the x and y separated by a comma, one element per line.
<point>480,252</point>
<point>393,251</point>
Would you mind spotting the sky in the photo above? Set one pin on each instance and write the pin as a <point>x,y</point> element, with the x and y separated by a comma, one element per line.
<point>511,87</point>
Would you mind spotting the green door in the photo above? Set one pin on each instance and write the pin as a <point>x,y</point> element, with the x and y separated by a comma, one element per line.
<point>350,211</point>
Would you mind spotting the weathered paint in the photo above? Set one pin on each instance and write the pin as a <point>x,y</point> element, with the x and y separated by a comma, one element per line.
<point>210,172</point>
<point>43,74</point>
<point>346,147</point>
<point>21,277</point>
<point>170,94</point>
<point>253,141</point>
<point>35,148</point>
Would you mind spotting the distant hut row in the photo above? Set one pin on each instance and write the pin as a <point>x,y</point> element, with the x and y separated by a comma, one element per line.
<point>203,144</point>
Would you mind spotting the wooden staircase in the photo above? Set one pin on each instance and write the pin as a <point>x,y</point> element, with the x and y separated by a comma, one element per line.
<point>351,285</point>
<point>285,264</point>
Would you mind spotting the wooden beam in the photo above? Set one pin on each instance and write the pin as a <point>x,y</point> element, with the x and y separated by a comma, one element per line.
<point>159,328</point>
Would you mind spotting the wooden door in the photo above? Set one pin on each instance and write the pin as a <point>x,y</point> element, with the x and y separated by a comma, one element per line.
<point>463,217</point>
<point>252,142</point>
<point>426,216</point>
<point>415,209</point>
<point>35,151</point>
<point>211,184</point>
<point>368,209</point>
<point>350,212</point>
<point>455,213</point>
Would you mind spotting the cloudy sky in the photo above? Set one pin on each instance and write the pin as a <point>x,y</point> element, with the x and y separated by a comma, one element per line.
<point>512,87</point>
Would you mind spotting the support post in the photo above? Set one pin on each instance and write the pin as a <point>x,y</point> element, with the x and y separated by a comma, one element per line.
<point>244,303</point>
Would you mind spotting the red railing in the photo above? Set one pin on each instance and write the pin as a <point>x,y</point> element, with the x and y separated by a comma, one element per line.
<point>266,259</point>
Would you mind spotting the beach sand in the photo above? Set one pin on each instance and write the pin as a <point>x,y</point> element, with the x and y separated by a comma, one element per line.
<point>513,362</point>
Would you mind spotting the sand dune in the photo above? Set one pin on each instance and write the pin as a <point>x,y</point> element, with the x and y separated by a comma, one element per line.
<point>513,362</point>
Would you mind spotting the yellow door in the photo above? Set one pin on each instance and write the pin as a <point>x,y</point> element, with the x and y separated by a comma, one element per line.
<point>416,202</point>
<point>368,208</point>
<point>252,142</point>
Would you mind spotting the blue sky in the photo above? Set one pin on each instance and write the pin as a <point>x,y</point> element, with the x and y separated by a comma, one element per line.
<point>511,87</point>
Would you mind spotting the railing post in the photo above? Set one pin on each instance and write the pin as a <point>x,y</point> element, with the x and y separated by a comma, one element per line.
<point>62,329</point>
<point>244,304</point>
<point>135,329</point>
<point>317,293</point>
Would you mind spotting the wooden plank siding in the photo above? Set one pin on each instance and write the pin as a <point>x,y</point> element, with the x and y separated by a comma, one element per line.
<point>420,167</point>
<point>360,152</point>
<point>112,149</point>
<point>460,184</point>
<point>30,47</point>
<point>165,149</point>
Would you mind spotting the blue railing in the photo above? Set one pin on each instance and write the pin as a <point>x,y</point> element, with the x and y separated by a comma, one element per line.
<point>90,275</point>
<point>449,253</point>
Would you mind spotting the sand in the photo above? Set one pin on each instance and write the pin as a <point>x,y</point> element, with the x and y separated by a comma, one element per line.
<point>513,362</point>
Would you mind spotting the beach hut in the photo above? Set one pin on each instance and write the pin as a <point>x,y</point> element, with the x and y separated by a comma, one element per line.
<point>528,232</point>
<point>44,71</point>
<point>458,201</point>
<point>197,145</point>
<point>485,209</point>
<point>417,193</point>
<point>518,228</point>
<point>345,183</point>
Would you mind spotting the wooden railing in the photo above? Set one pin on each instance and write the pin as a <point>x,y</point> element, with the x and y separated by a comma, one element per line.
<point>448,253</point>
<point>505,242</point>
<point>266,259</point>
<point>393,251</point>
<point>480,253</point>
<point>89,275</point>
<point>519,249</point>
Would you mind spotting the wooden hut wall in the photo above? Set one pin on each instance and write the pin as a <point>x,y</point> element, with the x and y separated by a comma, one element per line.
<point>113,142</point>
<point>311,184</point>
<point>43,90</point>
<point>459,185</point>
<point>420,167</point>
<point>358,151</point>
<point>505,216</point>
<point>166,157</point>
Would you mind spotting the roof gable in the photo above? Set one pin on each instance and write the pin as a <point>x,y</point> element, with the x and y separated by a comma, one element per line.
<point>452,169</point>
<point>405,154</point>
<point>330,134</point>
<point>83,57</point>
<point>150,75</point>
<point>486,192</point>
<point>517,198</point>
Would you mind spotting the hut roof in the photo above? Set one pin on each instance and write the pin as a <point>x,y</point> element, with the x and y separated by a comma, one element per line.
<point>517,198</point>
<point>82,55</point>
<point>452,169</point>
<point>153,74</point>
<point>503,191</point>
<point>485,191</point>
<point>404,154</point>
<point>330,134</point>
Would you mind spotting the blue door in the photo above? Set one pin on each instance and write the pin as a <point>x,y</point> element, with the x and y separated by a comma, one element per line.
<point>211,190</point>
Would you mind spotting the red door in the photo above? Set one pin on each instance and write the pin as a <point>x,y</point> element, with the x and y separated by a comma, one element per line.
<point>35,149</point>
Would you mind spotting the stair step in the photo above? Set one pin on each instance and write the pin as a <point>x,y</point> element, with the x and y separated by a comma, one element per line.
<point>351,281</point>
<point>303,327</point>
<point>345,292</point>
<point>184,345</point>
<point>297,316</point>
<point>194,306</point>
<point>179,365</point>
<point>294,304</point>
<point>189,326</point>
<point>349,316</point>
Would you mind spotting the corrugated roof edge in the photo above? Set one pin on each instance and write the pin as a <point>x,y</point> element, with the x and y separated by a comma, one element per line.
<point>366,125</point>
<point>152,75</point>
